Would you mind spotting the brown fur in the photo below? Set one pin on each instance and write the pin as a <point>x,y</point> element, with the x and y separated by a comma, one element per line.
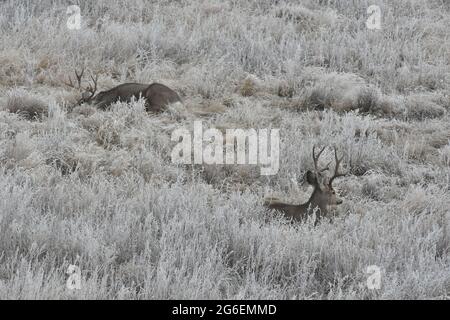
<point>322,198</point>
<point>158,96</point>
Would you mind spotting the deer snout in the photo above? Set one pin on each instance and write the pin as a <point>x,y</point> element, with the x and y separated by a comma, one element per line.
<point>339,201</point>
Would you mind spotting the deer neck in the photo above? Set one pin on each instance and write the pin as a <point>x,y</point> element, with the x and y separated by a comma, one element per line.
<point>315,202</point>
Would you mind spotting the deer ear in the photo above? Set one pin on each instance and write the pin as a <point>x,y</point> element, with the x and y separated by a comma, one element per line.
<point>311,178</point>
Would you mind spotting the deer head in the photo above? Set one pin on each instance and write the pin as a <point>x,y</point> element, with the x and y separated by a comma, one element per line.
<point>324,195</point>
<point>88,93</point>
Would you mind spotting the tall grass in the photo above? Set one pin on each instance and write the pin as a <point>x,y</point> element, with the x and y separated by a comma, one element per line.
<point>97,189</point>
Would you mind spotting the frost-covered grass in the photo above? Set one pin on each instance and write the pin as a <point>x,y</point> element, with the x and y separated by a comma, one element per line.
<point>97,189</point>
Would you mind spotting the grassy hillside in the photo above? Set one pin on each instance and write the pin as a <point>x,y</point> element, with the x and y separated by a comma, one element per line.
<point>97,189</point>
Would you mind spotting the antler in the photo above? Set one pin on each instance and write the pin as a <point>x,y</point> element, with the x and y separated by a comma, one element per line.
<point>79,77</point>
<point>336,168</point>
<point>316,160</point>
<point>90,89</point>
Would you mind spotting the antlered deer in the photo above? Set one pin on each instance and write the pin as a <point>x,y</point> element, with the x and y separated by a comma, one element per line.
<point>157,95</point>
<point>322,197</point>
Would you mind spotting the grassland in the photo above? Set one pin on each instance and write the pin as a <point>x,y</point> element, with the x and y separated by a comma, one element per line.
<point>97,189</point>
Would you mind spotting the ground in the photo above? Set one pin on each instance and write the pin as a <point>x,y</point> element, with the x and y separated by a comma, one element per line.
<point>98,190</point>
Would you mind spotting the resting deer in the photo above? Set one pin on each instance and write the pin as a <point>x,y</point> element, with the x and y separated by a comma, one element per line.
<point>89,92</point>
<point>322,197</point>
<point>157,95</point>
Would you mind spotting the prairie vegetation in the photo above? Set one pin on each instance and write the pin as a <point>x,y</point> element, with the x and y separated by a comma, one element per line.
<point>97,189</point>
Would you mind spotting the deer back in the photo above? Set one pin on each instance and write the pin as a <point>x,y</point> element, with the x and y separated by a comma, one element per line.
<point>124,92</point>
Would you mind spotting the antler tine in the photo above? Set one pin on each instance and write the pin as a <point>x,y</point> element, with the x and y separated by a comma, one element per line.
<point>91,89</point>
<point>316,159</point>
<point>70,83</point>
<point>336,168</point>
<point>326,167</point>
<point>79,77</point>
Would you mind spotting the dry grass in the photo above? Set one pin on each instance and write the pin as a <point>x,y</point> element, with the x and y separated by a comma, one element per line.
<point>26,105</point>
<point>98,189</point>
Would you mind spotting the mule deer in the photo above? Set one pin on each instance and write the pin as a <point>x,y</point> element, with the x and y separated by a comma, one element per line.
<point>323,195</point>
<point>157,95</point>
<point>89,91</point>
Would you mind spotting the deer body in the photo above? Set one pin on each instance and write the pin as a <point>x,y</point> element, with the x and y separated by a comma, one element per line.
<point>322,198</point>
<point>124,92</point>
<point>157,95</point>
<point>291,211</point>
<point>318,200</point>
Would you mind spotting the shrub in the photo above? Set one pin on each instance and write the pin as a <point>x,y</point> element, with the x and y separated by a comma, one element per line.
<point>26,105</point>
